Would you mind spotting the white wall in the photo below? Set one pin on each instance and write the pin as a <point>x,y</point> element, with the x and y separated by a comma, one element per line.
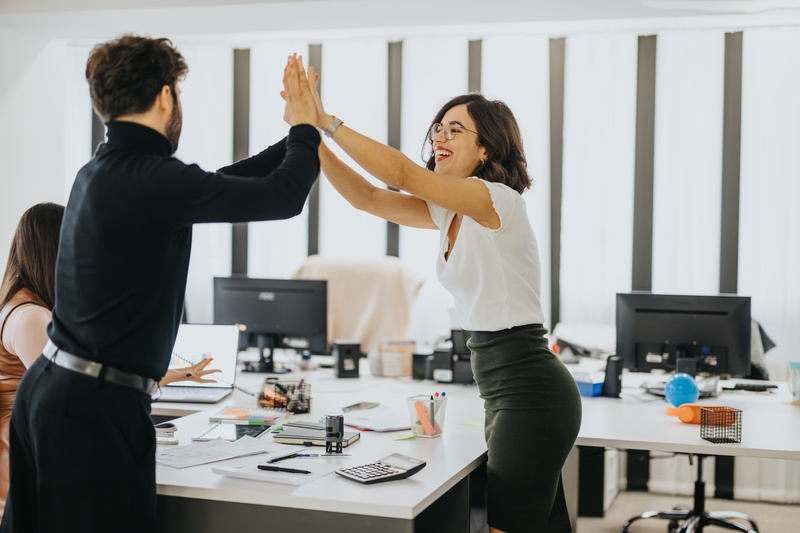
<point>31,127</point>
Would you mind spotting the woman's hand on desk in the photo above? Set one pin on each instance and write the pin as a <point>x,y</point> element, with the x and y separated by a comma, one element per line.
<point>196,373</point>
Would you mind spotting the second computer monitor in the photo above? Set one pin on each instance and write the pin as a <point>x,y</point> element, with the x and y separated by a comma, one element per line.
<point>655,330</point>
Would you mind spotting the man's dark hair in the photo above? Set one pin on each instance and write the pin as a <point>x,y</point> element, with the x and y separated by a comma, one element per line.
<point>499,133</point>
<point>125,75</point>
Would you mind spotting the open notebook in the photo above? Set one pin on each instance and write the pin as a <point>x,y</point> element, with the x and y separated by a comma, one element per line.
<point>194,343</point>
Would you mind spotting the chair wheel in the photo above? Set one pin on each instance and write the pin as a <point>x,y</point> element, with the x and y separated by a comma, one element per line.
<point>673,526</point>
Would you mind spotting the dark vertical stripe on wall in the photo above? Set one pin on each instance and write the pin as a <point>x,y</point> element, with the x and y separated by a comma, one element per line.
<point>395,99</point>
<point>98,132</point>
<point>314,60</point>
<point>241,148</point>
<point>643,178</point>
<point>475,59</point>
<point>642,260</point>
<point>731,145</point>
<point>557,54</point>
<point>729,238</point>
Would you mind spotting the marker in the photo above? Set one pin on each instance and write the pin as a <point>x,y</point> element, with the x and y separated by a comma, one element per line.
<point>281,469</point>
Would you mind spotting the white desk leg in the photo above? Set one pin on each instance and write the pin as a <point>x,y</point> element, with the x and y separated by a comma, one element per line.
<point>569,478</point>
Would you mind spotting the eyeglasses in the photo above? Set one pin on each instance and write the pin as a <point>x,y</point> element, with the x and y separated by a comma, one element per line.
<point>450,130</point>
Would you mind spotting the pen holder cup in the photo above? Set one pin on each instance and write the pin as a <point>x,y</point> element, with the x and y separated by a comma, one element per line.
<point>719,424</point>
<point>294,396</point>
<point>427,415</point>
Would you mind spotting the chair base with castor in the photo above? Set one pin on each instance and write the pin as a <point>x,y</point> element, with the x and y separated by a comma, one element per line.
<point>694,520</point>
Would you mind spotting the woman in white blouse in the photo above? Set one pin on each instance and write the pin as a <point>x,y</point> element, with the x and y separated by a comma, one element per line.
<point>470,190</point>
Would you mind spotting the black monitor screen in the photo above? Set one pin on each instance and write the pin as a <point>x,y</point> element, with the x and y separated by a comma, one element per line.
<point>276,312</point>
<point>654,330</point>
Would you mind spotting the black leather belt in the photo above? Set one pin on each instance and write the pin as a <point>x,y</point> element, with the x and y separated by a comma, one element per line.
<point>98,370</point>
<point>486,336</point>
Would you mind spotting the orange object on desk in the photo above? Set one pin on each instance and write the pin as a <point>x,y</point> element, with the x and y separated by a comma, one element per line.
<point>688,413</point>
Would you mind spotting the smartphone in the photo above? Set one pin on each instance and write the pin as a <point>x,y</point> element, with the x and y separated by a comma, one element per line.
<point>360,405</point>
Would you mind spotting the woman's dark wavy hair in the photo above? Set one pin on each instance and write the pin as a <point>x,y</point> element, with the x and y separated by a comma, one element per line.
<point>499,133</point>
<point>32,258</point>
<point>126,74</point>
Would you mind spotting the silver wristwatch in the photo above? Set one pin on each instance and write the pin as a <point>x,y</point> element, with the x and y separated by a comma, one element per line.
<point>332,127</point>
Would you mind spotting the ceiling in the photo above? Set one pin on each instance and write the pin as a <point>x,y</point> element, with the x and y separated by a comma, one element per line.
<point>91,19</point>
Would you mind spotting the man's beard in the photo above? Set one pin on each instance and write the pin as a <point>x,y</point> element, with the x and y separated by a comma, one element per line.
<point>174,127</point>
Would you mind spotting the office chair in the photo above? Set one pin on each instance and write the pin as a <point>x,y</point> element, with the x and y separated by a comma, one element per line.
<point>369,300</point>
<point>694,520</point>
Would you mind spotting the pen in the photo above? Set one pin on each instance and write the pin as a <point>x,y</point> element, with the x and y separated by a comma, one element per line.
<point>282,457</point>
<point>281,469</point>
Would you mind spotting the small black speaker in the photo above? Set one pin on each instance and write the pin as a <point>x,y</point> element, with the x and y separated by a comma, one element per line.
<point>612,384</point>
<point>346,355</point>
<point>687,365</point>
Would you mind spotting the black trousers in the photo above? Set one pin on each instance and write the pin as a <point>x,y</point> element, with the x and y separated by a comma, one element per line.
<point>82,455</point>
<point>533,414</point>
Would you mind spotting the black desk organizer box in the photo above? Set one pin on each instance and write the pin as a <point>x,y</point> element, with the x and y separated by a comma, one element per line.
<point>289,395</point>
<point>720,424</point>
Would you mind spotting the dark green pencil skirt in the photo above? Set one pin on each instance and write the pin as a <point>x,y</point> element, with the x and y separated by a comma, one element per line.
<point>533,414</point>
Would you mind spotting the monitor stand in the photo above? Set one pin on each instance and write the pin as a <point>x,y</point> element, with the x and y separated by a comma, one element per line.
<point>266,351</point>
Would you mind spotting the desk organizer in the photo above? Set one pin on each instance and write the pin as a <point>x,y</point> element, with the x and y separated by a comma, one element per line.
<point>294,396</point>
<point>719,424</point>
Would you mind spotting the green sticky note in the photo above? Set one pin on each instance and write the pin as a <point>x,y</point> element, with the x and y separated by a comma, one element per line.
<point>403,436</point>
<point>473,423</point>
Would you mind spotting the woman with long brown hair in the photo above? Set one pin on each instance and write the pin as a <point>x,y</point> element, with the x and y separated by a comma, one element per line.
<point>26,300</point>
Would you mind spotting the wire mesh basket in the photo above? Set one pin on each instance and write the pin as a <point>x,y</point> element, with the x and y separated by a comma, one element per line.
<point>294,396</point>
<point>720,424</point>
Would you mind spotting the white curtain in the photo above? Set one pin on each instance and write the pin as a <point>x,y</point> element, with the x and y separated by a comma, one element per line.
<point>276,248</point>
<point>206,139</point>
<point>688,161</point>
<point>435,69</point>
<point>526,59</point>
<point>769,224</point>
<point>354,85</point>
<point>598,174</point>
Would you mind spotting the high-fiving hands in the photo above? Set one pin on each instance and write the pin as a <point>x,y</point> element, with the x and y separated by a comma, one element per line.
<point>300,91</point>
<point>300,105</point>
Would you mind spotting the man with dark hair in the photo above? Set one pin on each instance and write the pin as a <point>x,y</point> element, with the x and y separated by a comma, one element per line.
<point>82,442</point>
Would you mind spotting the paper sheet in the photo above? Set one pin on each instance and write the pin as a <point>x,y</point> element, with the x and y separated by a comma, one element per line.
<point>251,471</point>
<point>200,453</point>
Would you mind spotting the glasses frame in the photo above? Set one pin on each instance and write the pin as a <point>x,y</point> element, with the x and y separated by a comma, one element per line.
<point>443,127</point>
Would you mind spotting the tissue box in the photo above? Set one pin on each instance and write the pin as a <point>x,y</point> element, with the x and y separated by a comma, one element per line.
<point>589,383</point>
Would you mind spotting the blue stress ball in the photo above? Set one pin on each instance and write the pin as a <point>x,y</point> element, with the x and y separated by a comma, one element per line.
<point>680,389</point>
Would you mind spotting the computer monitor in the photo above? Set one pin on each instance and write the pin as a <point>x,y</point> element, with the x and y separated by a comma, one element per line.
<point>655,330</point>
<point>277,313</point>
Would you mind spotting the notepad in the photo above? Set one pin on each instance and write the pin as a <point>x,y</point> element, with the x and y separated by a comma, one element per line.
<point>231,432</point>
<point>247,415</point>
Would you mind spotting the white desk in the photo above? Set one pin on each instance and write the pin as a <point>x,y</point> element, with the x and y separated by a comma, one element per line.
<point>437,498</point>
<point>638,421</point>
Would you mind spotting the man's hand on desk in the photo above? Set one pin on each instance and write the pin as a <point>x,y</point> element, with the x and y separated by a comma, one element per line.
<point>196,373</point>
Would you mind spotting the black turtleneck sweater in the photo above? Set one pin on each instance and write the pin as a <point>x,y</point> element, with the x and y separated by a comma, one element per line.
<point>127,233</point>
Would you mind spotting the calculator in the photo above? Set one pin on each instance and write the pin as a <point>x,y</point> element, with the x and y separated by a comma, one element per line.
<point>395,466</point>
